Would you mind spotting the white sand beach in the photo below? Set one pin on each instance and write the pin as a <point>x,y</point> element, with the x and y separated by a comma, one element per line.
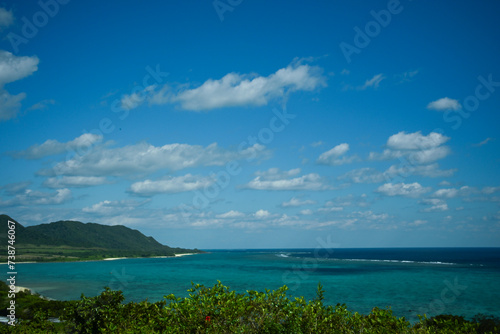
<point>22,289</point>
<point>184,254</point>
<point>114,258</point>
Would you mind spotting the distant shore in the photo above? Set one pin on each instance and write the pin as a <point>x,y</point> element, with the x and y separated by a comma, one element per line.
<point>152,257</point>
<point>108,258</point>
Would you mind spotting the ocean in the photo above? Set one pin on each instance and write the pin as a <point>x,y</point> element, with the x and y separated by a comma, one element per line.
<point>459,281</point>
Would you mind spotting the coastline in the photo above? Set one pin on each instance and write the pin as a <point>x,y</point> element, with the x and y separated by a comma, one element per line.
<point>108,259</point>
<point>184,254</point>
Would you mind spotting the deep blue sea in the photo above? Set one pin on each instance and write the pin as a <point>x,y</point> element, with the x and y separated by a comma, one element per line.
<point>460,281</point>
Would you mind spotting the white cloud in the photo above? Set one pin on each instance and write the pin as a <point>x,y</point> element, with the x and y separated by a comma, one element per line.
<point>371,175</point>
<point>418,222</point>
<point>406,76</point>
<point>113,208</point>
<point>306,212</point>
<point>454,192</point>
<point>331,209</point>
<point>74,181</point>
<point>365,175</point>
<point>31,198</point>
<point>415,141</point>
<point>402,189</point>
<point>177,184</point>
<point>234,90</point>
<point>134,100</point>
<point>429,155</point>
<point>294,202</point>
<point>416,148</point>
<point>231,214</point>
<point>431,170</point>
<point>277,174</point>
<point>373,82</point>
<point>13,68</point>
<point>332,157</point>
<point>145,158</point>
<point>6,17</point>
<point>262,214</point>
<point>274,180</point>
<point>9,104</point>
<point>434,204</point>
<point>317,143</point>
<point>16,188</point>
<point>369,215</point>
<point>444,103</point>
<point>44,104</point>
<point>54,147</point>
<point>490,190</point>
<point>484,142</point>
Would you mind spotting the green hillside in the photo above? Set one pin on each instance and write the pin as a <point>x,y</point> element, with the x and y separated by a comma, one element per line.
<point>73,240</point>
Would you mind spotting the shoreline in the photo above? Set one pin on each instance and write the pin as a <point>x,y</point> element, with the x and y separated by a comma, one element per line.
<point>109,259</point>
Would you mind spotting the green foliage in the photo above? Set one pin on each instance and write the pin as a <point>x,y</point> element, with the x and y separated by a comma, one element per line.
<point>220,310</point>
<point>72,240</point>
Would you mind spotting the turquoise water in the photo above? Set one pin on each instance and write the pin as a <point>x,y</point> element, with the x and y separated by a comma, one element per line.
<point>410,281</point>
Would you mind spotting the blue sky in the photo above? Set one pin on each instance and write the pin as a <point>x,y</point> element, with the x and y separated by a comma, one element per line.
<point>249,124</point>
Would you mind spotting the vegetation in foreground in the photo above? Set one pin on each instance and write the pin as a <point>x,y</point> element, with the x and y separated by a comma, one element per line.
<point>220,310</point>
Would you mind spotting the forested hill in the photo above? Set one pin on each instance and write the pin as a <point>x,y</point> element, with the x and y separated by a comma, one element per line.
<point>66,240</point>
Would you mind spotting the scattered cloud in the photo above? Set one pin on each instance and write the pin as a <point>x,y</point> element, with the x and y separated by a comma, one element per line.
<point>415,141</point>
<point>418,222</point>
<point>231,215</point>
<point>234,90</point>
<point>444,103</point>
<point>317,143</point>
<point>54,147</point>
<point>74,181</point>
<point>42,105</point>
<point>373,82</point>
<point>31,198</point>
<point>331,209</point>
<point>16,188</point>
<point>403,189</point>
<point>13,68</point>
<point>294,202</point>
<point>434,204</point>
<point>6,18</point>
<point>415,147</point>
<point>113,208</point>
<point>484,142</point>
<point>141,158</point>
<point>333,156</point>
<point>371,175</point>
<point>273,179</point>
<point>406,76</point>
<point>262,214</point>
<point>444,183</point>
<point>454,192</point>
<point>170,185</point>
